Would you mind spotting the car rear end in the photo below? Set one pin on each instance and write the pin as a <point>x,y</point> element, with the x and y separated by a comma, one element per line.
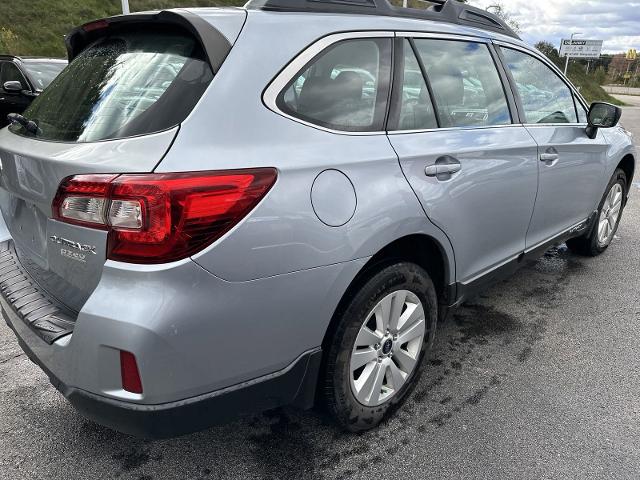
<point>96,278</point>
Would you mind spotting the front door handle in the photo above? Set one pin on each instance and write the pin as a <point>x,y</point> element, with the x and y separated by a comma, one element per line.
<point>550,156</point>
<point>444,168</point>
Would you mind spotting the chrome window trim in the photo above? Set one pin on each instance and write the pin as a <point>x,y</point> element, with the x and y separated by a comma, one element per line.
<point>547,62</point>
<point>534,125</point>
<point>281,80</point>
<point>271,93</point>
<point>453,129</point>
<point>444,36</point>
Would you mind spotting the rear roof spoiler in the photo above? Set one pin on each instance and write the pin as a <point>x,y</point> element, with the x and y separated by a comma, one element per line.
<point>449,11</point>
<point>214,43</point>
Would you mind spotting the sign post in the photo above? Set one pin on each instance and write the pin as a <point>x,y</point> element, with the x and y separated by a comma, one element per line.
<point>580,49</point>
<point>125,7</point>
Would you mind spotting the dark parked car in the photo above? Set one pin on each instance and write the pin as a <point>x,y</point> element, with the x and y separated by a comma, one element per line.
<point>22,79</point>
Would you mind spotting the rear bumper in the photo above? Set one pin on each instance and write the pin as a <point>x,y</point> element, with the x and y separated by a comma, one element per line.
<point>208,350</point>
<point>294,385</point>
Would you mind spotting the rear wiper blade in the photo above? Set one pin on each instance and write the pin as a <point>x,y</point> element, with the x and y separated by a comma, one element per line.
<point>29,125</point>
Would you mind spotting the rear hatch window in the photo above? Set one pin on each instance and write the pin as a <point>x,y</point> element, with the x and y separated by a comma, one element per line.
<point>128,83</point>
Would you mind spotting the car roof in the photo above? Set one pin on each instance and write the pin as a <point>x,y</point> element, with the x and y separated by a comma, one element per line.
<point>341,22</point>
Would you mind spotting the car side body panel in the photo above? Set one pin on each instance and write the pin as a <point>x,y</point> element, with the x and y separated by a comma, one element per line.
<point>569,188</point>
<point>284,234</point>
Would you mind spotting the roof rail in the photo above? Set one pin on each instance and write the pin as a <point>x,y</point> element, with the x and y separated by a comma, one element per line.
<point>450,11</point>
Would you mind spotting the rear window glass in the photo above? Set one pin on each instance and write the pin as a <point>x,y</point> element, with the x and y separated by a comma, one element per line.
<point>125,84</point>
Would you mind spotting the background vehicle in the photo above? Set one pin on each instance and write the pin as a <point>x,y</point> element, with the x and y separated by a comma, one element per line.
<point>22,79</point>
<point>256,227</point>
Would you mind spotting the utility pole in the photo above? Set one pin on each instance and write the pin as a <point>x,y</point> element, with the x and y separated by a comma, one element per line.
<point>125,7</point>
<point>566,65</point>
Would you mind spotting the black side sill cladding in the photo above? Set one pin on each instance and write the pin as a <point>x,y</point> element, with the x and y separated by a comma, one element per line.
<point>44,315</point>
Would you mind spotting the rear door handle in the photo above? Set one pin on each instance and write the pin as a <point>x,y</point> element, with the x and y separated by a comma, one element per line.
<point>549,157</point>
<point>443,168</point>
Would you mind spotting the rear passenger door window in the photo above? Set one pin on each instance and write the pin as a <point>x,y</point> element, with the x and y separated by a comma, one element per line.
<point>466,86</point>
<point>343,88</point>
<point>416,108</point>
<point>545,97</point>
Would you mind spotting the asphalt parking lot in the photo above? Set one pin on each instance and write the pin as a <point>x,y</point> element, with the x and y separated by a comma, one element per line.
<point>537,378</point>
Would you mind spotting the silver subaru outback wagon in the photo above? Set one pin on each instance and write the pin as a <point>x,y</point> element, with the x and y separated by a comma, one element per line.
<point>213,212</point>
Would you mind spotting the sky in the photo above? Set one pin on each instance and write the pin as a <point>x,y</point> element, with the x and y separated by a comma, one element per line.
<point>616,22</point>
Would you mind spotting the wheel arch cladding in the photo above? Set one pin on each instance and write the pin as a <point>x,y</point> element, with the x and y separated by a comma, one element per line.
<point>627,164</point>
<point>420,249</point>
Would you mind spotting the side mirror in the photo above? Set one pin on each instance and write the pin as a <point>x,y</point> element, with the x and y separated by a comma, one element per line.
<point>13,87</point>
<point>602,115</point>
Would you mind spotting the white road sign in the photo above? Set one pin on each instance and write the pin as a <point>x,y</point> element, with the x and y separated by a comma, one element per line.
<point>581,48</point>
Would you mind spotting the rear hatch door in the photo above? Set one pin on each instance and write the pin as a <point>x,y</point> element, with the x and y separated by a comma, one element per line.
<point>66,260</point>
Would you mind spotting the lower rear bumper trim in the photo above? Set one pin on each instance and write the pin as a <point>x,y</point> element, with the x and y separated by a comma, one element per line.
<point>293,385</point>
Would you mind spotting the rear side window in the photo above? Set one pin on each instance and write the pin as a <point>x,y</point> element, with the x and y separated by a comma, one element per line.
<point>125,84</point>
<point>465,83</point>
<point>343,88</point>
<point>544,96</point>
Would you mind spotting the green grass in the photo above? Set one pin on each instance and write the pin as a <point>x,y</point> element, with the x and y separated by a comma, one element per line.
<point>589,88</point>
<point>37,27</point>
<point>589,84</point>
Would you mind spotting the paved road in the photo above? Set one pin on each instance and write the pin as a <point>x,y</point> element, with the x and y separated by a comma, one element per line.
<point>631,100</point>
<point>617,89</point>
<point>538,378</point>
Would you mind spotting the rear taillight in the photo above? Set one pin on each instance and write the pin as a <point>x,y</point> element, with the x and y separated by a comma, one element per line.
<point>161,217</point>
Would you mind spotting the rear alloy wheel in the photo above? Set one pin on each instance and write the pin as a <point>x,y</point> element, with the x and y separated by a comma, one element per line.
<point>608,218</point>
<point>378,348</point>
<point>387,348</point>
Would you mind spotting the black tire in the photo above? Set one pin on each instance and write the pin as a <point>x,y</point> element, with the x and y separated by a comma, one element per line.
<point>588,245</point>
<point>339,399</point>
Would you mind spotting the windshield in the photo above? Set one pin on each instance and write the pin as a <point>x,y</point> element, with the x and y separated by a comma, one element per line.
<point>127,83</point>
<point>43,73</point>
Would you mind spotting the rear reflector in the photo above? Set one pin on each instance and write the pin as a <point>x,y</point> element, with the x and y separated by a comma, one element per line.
<point>163,217</point>
<point>131,381</point>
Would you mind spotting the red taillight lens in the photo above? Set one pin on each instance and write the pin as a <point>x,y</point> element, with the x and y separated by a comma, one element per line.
<point>131,381</point>
<point>158,218</point>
